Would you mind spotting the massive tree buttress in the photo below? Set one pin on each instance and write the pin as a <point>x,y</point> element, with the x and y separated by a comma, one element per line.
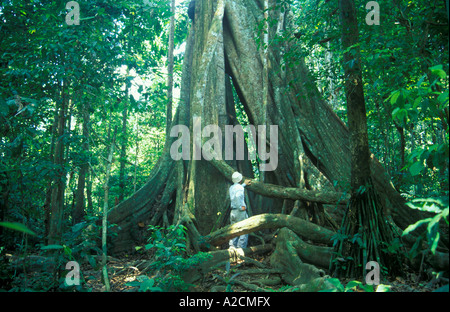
<point>222,55</point>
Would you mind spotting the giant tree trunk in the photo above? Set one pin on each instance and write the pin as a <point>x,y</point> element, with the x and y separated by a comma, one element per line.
<point>222,53</point>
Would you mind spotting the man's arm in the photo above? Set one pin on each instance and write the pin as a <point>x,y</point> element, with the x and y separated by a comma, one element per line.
<point>246,182</point>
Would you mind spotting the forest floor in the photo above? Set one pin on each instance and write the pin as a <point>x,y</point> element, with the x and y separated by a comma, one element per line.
<point>248,276</point>
<point>251,274</point>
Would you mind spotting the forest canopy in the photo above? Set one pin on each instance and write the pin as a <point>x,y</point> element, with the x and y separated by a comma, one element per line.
<point>122,122</point>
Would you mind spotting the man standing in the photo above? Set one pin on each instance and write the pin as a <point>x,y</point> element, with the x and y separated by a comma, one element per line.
<point>238,208</point>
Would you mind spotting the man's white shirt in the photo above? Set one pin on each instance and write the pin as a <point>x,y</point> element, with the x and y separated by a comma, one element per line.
<point>237,195</point>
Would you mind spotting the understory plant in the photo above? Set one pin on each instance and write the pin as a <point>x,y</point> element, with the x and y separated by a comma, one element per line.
<point>432,234</point>
<point>168,248</point>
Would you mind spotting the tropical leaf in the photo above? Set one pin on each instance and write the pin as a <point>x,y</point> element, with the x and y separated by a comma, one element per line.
<point>416,168</point>
<point>337,285</point>
<point>383,288</point>
<point>414,226</point>
<point>17,227</point>
<point>54,246</point>
<point>438,71</point>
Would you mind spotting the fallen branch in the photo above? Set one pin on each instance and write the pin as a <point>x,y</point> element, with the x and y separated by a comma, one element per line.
<point>277,191</point>
<point>301,227</point>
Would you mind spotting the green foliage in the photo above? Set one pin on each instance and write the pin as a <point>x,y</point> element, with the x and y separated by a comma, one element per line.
<point>62,254</point>
<point>80,245</point>
<point>437,206</point>
<point>422,100</point>
<point>115,59</point>
<point>169,248</point>
<point>17,227</point>
<point>405,74</point>
<point>144,284</point>
<point>118,46</point>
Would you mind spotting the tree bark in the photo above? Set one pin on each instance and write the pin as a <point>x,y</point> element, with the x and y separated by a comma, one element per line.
<point>124,139</point>
<point>401,132</point>
<point>301,227</point>
<point>170,69</point>
<point>48,193</point>
<point>105,212</point>
<point>356,106</point>
<point>277,191</point>
<point>206,190</point>
<point>288,256</point>
<point>79,210</point>
<point>364,217</point>
<point>57,196</point>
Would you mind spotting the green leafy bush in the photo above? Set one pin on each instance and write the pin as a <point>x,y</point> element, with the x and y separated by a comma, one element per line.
<point>169,249</point>
<point>433,205</point>
<point>80,244</point>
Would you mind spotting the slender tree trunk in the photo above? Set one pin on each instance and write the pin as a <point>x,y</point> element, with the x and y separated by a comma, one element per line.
<point>123,148</point>
<point>170,69</point>
<point>57,197</point>
<point>365,229</point>
<point>401,132</point>
<point>265,59</point>
<point>48,193</point>
<point>356,107</point>
<point>79,210</point>
<point>90,204</point>
<point>105,213</point>
<point>135,166</point>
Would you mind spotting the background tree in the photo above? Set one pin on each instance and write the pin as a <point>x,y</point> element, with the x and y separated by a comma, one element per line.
<point>364,221</point>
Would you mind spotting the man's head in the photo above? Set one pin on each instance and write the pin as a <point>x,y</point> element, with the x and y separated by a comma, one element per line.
<point>236,177</point>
